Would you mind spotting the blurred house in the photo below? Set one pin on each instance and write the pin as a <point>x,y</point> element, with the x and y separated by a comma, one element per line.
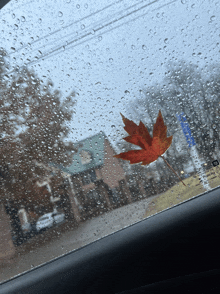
<point>95,182</point>
<point>96,179</point>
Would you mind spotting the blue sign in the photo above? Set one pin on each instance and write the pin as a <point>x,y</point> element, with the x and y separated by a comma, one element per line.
<point>186,130</point>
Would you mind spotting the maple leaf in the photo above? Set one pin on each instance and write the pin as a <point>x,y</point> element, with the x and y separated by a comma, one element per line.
<point>152,147</point>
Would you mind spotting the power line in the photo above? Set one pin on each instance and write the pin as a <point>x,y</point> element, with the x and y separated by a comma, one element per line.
<point>69,25</point>
<point>96,30</point>
<point>106,18</point>
<point>54,51</point>
<point>103,20</point>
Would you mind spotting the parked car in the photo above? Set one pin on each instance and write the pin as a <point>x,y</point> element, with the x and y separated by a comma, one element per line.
<point>58,217</point>
<point>45,221</point>
<point>49,219</point>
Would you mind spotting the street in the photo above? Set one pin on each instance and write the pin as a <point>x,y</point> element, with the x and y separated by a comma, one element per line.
<point>59,241</point>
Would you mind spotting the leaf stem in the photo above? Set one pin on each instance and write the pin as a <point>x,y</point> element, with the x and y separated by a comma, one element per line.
<point>172,169</point>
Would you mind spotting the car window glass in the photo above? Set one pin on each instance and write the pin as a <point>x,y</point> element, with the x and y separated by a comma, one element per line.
<point>67,71</point>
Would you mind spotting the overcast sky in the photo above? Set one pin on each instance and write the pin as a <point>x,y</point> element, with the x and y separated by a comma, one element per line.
<point>107,50</point>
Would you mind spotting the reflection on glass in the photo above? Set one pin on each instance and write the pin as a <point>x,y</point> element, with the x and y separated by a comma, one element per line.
<point>66,74</point>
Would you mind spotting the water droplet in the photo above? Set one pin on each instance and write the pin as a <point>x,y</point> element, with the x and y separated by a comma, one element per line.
<point>93,32</point>
<point>13,15</point>
<point>212,18</point>
<point>78,6</point>
<point>60,14</point>
<point>39,20</point>
<point>110,60</point>
<point>82,26</point>
<point>23,19</point>
<point>100,38</point>
<point>183,1</point>
<point>6,77</point>
<point>86,5</point>
<point>144,47</point>
<point>166,40</point>
<point>132,47</point>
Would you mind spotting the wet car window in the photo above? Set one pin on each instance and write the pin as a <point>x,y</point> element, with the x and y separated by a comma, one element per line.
<point>67,71</point>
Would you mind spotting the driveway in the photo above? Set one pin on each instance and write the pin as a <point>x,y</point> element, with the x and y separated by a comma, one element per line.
<point>59,241</point>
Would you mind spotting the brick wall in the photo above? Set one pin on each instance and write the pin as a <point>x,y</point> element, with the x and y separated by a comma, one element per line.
<point>111,172</point>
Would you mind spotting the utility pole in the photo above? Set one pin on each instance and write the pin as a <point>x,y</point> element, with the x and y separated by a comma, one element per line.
<point>193,151</point>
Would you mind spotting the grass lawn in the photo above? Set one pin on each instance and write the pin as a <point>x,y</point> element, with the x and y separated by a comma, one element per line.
<point>180,193</point>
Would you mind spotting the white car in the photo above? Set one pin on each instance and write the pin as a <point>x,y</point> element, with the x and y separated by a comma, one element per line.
<point>58,217</point>
<point>45,221</point>
<point>49,219</point>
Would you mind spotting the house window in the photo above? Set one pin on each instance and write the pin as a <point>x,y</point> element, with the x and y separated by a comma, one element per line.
<point>93,194</point>
<point>86,157</point>
<point>89,177</point>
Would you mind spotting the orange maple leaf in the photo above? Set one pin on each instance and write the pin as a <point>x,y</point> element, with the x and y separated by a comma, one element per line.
<point>152,148</point>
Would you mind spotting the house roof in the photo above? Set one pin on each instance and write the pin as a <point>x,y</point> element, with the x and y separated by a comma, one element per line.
<point>90,154</point>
